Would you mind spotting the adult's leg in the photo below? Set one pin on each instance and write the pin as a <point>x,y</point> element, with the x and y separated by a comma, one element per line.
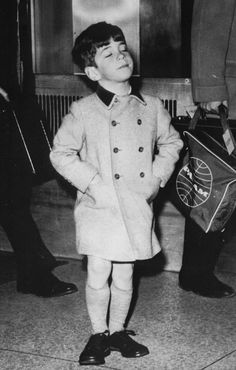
<point>201,250</point>
<point>18,223</point>
<point>22,232</point>
<point>34,261</point>
<point>200,255</point>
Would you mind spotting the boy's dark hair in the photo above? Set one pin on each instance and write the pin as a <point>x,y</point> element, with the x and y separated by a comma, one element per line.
<point>94,37</point>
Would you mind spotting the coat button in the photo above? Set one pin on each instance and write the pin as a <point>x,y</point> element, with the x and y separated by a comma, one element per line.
<point>142,174</point>
<point>140,149</point>
<point>117,176</point>
<point>139,121</point>
<point>115,150</point>
<point>114,123</point>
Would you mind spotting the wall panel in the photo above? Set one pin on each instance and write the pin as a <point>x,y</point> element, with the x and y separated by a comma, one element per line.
<point>157,32</point>
<point>123,13</point>
<point>53,36</point>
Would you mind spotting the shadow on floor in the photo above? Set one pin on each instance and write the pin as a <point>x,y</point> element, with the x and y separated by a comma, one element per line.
<point>7,267</point>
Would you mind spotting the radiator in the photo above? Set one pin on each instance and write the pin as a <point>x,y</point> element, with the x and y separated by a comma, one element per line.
<point>56,106</point>
<point>171,106</point>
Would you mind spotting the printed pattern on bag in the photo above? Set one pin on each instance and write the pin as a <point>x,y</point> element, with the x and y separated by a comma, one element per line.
<point>205,184</point>
<point>194,182</point>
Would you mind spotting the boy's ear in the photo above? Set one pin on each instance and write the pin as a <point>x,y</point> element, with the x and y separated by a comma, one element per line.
<point>92,73</point>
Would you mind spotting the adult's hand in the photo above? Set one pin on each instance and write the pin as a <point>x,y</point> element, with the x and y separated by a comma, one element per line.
<point>213,106</point>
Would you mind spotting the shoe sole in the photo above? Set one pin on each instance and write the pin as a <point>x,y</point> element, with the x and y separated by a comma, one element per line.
<point>24,291</point>
<point>206,295</point>
<point>135,356</point>
<point>93,362</point>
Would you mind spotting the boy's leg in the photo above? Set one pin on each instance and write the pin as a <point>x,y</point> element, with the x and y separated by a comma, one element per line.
<point>98,292</point>
<point>121,294</point>
<point>97,299</point>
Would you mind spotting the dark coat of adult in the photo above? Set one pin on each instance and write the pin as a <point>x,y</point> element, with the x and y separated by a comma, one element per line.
<point>214,52</point>
<point>20,160</point>
<point>24,150</point>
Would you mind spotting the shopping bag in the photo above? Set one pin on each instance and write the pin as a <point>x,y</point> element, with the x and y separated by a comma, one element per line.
<point>204,186</point>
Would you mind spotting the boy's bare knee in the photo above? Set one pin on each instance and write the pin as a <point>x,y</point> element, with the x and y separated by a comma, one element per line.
<point>98,272</point>
<point>122,275</point>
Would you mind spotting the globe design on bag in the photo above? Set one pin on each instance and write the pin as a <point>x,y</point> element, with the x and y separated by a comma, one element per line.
<point>194,183</point>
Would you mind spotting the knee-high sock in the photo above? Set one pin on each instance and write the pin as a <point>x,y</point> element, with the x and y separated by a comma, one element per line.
<point>97,304</point>
<point>119,307</point>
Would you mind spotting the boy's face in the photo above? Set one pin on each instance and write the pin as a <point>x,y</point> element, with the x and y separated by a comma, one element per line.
<point>113,63</point>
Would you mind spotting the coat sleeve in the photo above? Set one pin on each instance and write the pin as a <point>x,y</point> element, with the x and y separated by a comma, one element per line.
<point>65,154</point>
<point>210,35</point>
<point>169,145</point>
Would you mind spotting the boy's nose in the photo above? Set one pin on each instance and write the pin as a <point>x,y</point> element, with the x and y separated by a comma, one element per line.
<point>120,55</point>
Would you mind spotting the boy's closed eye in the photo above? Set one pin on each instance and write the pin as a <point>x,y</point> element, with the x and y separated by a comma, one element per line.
<point>123,47</point>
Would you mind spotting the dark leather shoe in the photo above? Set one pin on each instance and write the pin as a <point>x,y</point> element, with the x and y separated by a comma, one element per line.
<point>120,341</point>
<point>46,286</point>
<point>95,350</point>
<point>209,286</point>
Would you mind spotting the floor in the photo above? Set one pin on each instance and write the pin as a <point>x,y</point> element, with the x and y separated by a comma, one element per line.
<point>181,330</point>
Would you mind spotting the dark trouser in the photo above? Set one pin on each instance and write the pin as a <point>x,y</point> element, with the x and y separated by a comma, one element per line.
<point>201,251</point>
<point>32,256</point>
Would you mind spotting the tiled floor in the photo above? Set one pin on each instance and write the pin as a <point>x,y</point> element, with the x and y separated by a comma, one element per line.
<point>182,330</point>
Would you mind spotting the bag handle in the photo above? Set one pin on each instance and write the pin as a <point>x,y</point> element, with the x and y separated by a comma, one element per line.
<point>200,113</point>
<point>223,113</point>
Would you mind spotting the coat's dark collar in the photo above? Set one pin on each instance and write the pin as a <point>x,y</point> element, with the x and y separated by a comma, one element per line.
<point>108,98</point>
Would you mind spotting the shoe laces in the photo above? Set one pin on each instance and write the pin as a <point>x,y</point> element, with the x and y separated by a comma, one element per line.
<point>129,332</point>
<point>98,338</point>
<point>125,335</point>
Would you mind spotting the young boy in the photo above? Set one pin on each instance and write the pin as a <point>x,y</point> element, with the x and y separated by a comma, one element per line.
<point>105,147</point>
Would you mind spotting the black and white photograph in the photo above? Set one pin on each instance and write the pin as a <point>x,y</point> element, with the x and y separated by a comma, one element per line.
<point>118,184</point>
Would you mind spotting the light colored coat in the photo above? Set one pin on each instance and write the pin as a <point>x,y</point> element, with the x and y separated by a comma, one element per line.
<point>213,48</point>
<point>113,218</point>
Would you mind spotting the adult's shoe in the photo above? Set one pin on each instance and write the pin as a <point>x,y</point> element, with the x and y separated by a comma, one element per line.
<point>96,349</point>
<point>47,285</point>
<point>208,286</point>
<point>120,341</point>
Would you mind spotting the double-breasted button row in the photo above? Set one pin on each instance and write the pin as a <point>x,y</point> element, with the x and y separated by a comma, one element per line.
<point>117,176</point>
<point>114,123</point>
<point>140,149</point>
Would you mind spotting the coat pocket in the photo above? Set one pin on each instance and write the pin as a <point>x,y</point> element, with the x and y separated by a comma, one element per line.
<point>154,187</point>
<point>99,195</point>
<point>150,188</point>
<point>147,189</point>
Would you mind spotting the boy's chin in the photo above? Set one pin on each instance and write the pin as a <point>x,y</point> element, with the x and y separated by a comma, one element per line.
<point>125,76</point>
